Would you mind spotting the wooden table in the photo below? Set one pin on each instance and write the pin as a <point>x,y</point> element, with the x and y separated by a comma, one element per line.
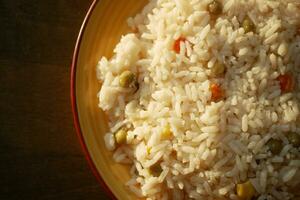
<point>40,156</point>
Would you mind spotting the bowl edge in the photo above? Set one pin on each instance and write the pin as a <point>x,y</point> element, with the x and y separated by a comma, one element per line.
<point>74,102</point>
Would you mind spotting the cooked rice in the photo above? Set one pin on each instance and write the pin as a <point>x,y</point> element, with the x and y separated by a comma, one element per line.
<point>215,145</point>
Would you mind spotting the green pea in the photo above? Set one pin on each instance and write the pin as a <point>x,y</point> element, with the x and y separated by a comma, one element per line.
<point>275,146</point>
<point>126,79</point>
<point>294,139</point>
<point>248,25</point>
<point>218,69</point>
<point>120,136</point>
<point>215,8</point>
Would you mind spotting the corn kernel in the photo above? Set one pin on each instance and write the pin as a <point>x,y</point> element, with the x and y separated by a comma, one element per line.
<point>166,132</point>
<point>149,150</point>
<point>245,191</point>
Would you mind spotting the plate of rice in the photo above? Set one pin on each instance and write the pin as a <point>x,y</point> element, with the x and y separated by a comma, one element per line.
<point>190,99</point>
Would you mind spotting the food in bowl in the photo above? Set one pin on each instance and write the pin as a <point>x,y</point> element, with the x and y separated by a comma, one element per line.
<point>202,99</point>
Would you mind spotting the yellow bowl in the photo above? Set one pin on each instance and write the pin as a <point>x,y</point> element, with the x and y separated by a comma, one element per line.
<point>102,28</point>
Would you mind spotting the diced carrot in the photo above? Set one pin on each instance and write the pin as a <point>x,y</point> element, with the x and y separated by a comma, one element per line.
<point>216,92</point>
<point>176,46</point>
<point>286,82</point>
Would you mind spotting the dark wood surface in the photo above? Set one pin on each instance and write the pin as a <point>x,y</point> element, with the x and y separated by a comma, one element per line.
<point>40,156</point>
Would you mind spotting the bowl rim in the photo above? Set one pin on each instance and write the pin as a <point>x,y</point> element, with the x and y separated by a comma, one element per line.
<point>74,103</point>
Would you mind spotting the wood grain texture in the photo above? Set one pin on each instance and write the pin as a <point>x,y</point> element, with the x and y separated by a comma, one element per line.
<point>40,156</point>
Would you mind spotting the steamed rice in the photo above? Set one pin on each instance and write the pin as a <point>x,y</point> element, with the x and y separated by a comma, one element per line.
<point>215,144</point>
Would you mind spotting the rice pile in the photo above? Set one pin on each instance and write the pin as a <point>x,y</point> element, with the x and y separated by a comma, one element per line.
<point>213,144</point>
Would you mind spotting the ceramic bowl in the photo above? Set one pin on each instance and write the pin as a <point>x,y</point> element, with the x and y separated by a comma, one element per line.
<point>102,28</point>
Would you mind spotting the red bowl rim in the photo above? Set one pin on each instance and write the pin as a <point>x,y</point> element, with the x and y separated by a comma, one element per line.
<point>74,103</point>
